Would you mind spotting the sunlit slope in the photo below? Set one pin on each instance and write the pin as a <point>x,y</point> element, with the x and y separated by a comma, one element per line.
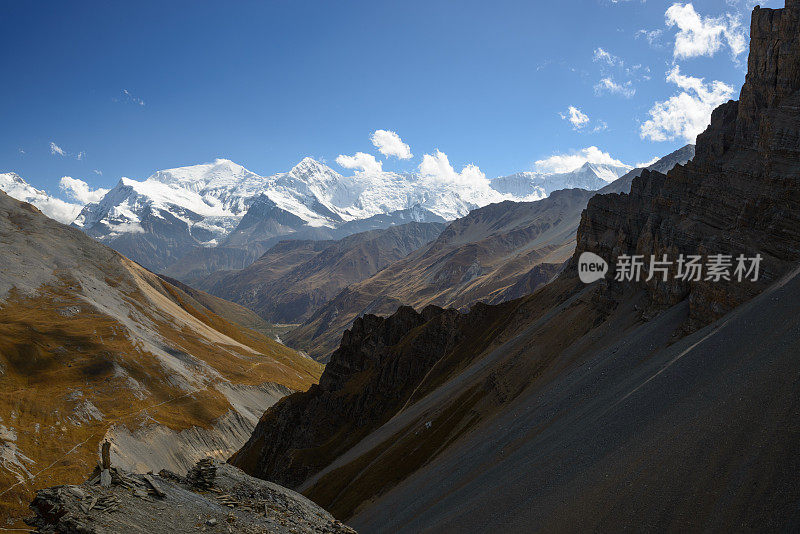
<point>93,344</point>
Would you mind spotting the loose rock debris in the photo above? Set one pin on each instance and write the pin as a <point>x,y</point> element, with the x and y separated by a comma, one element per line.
<point>213,497</point>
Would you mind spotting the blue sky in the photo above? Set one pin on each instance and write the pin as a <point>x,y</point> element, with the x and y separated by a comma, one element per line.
<point>125,89</point>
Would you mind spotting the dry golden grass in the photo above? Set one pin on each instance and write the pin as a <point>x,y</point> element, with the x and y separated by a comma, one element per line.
<point>46,357</point>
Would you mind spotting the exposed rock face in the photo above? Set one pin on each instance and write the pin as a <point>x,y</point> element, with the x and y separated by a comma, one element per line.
<point>369,378</point>
<point>739,195</point>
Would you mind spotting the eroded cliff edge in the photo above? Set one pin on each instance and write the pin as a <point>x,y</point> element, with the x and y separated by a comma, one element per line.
<point>739,195</point>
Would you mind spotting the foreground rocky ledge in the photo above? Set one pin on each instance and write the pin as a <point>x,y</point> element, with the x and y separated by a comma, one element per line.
<point>213,497</point>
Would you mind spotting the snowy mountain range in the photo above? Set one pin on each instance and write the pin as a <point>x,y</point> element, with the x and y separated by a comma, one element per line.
<point>191,211</point>
<point>530,186</point>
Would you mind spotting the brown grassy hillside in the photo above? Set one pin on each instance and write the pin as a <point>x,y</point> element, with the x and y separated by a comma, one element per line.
<point>91,343</point>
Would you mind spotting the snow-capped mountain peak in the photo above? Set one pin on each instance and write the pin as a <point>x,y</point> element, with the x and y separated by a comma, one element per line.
<point>535,185</point>
<point>220,173</point>
<point>311,167</point>
<point>605,172</point>
<point>176,211</point>
<point>309,173</point>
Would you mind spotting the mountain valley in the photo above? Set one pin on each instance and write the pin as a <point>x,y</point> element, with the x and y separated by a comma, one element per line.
<point>496,253</point>
<point>589,407</point>
<point>582,347</point>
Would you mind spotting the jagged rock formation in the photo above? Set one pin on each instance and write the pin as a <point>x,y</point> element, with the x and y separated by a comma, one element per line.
<point>294,278</point>
<point>739,195</point>
<point>680,157</point>
<point>227,501</point>
<point>375,371</point>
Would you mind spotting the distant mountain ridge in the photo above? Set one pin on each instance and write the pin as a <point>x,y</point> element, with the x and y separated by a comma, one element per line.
<point>495,253</point>
<point>527,186</point>
<point>294,278</point>
<point>190,221</point>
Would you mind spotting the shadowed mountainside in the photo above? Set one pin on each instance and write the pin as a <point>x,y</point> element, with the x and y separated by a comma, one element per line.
<point>230,311</point>
<point>613,406</point>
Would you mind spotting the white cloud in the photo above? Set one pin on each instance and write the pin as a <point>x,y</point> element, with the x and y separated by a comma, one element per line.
<point>704,36</point>
<point>607,85</point>
<point>437,167</point>
<point>576,117</point>
<point>389,143</point>
<point>602,56</point>
<point>687,113</point>
<point>98,173</point>
<point>570,162</point>
<point>56,150</point>
<point>80,191</point>
<point>360,161</point>
<point>55,208</point>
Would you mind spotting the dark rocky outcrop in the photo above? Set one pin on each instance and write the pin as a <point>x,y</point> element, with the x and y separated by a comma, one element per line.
<point>739,195</point>
<point>373,374</point>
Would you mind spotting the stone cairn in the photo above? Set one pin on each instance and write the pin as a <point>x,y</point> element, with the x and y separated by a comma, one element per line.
<point>202,475</point>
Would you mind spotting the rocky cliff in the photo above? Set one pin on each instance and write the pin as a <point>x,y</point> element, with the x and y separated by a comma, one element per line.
<point>739,196</point>
<point>373,374</point>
